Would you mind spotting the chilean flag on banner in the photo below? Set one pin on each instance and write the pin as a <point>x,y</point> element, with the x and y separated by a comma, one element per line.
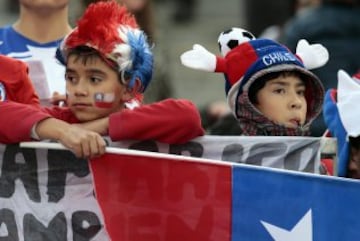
<point>149,198</point>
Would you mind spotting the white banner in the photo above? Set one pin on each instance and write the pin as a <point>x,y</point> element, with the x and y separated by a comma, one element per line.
<point>48,194</point>
<point>291,153</point>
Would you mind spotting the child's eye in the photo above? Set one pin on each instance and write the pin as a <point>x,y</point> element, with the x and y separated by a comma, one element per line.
<point>301,92</point>
<point>70,78</point>
<point>279,91</point>
<point>95,80</point>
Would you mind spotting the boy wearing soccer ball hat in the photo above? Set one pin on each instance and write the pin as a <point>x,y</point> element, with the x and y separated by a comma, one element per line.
<point>108,64</point>
<point>269,89</point>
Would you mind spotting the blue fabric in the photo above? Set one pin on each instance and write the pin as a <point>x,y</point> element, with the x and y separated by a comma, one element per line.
<point>40,57</point>
<point>283,198</point>
<point>337,130</point>
<point>16,45</point>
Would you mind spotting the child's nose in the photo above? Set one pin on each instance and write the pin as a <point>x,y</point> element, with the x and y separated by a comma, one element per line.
<point>295,101</point>
<point>81,89</point>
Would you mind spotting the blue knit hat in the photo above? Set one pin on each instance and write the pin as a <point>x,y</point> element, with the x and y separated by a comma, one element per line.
<point>341,119</point>
<point>251,60</point>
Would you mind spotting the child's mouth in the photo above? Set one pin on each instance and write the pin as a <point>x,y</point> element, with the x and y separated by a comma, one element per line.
<point>295,122</point>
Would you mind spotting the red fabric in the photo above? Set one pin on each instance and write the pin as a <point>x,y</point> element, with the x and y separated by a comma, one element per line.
<point>106,35</point>
<point>147,198</point>
<point>17,120</point>
<point>18,86</point>
<point>170,121</point>
<point>357,75</point>
<point>237,62</point>
<point>328,165</point>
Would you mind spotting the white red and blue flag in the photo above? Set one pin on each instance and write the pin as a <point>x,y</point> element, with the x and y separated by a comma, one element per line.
<point>128,195</point>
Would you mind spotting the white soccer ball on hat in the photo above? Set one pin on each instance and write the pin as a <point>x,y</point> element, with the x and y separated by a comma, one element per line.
<point>202,59</point>
<point>233,37</point>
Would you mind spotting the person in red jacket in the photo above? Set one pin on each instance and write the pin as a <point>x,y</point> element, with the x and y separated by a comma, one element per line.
<point>108,65</point>
<point>15,84</point>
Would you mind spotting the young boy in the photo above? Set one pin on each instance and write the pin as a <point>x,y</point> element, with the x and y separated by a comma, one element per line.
<point>342,121</point>
<point>108,63</point>
<point>268,88</point>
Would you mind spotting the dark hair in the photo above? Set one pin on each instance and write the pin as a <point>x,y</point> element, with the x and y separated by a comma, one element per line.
<point>86,54</point>
<point>355,142</point>
<point>259,83</point>
<point>349,3</point>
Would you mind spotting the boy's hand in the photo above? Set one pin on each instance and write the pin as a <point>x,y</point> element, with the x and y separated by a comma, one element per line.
<point>312,55</point>
<point>199,58</point>
<point>84,143</point>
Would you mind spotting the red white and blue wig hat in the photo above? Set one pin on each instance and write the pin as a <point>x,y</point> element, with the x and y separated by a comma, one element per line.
<point>111,30</point>
<point>341,118</point>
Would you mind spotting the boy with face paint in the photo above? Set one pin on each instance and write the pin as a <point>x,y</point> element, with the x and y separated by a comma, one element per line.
<point>108,66</point>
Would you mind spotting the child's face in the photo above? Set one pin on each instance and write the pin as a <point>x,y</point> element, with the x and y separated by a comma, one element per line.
<point>84,81</point>
<point>282,100</point>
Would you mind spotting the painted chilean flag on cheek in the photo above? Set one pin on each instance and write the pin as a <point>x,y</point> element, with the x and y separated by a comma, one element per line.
<point>104,100</point>
<point>2,92</point>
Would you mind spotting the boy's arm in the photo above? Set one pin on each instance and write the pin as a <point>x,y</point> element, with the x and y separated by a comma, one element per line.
<point>100,126</point>
<point>17,120</point>
<point>84,143</point>
<point>170,121</point>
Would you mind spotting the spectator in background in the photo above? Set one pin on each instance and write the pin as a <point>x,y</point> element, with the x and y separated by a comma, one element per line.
<point>33,38</point>
<point>260,14</point>
<point>214,112</point>
<point>227,125</point>
<point>335,24</point>
<point>160,88</point>
<point>275,31</point>
<point>184,11</point>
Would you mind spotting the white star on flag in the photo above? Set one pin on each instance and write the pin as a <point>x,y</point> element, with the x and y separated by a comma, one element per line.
<point>302,231</point>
